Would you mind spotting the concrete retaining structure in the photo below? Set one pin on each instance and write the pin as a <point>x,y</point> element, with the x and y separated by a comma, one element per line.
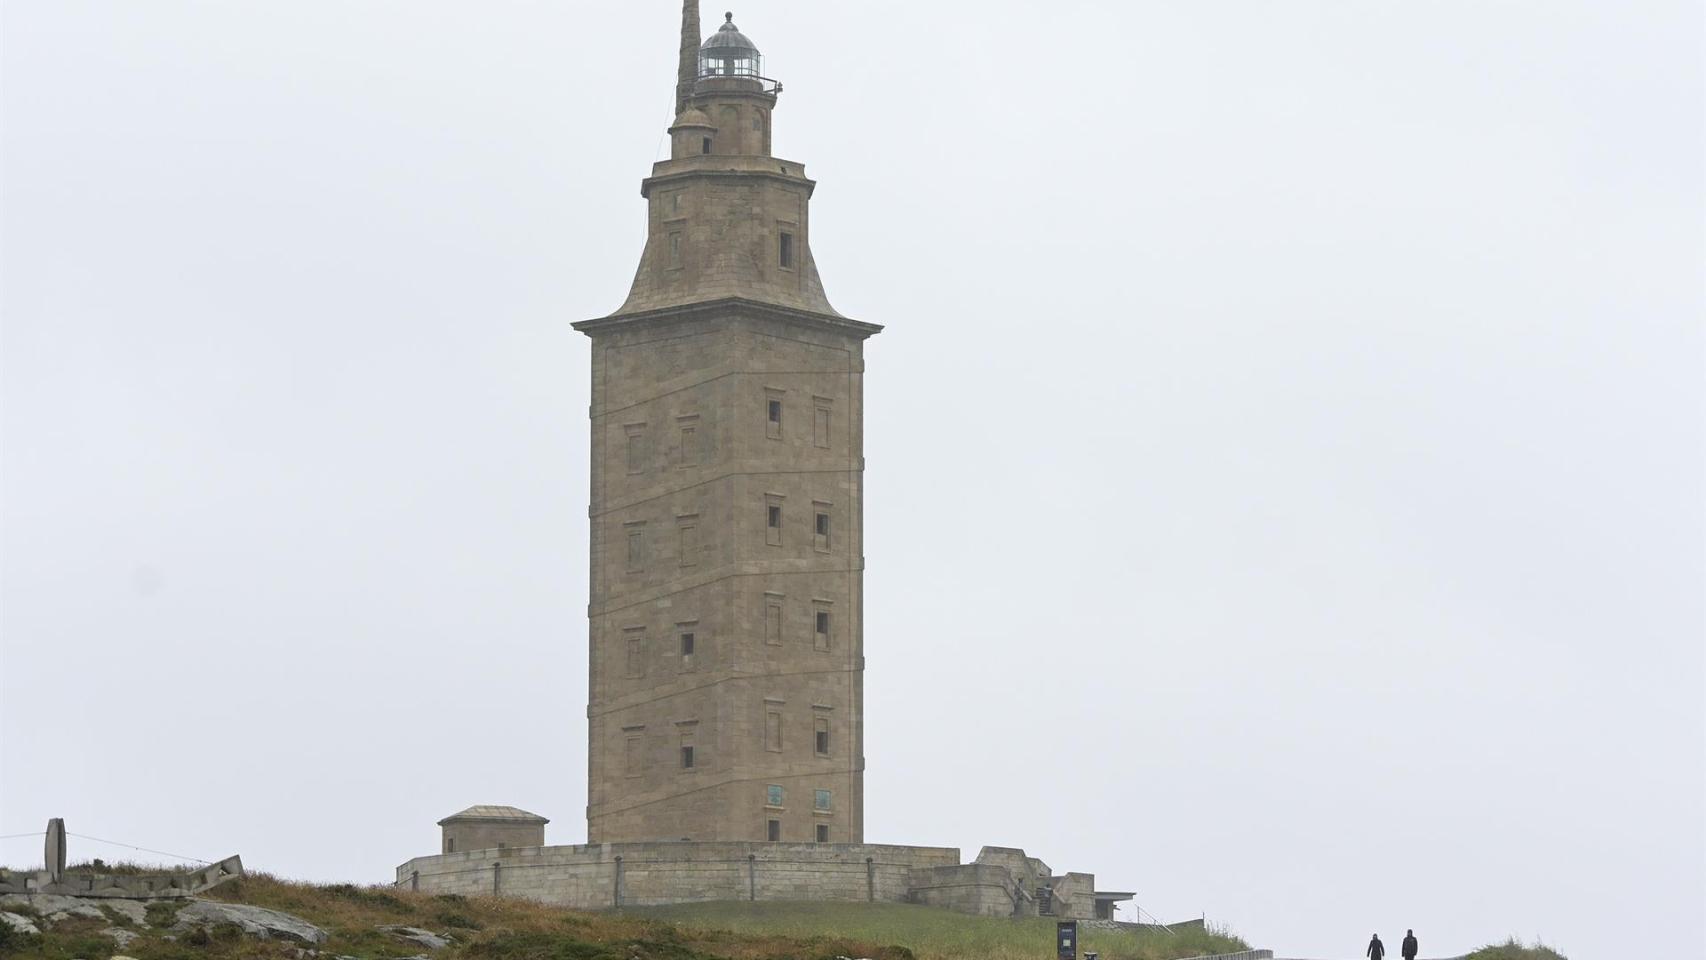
<point>81,883</point>
<point>597,876</point>
<point>975,888</point>
<point>601,876</point>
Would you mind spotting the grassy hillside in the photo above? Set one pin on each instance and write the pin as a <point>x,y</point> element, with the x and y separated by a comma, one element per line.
<point>1514,949</point>
<point>931,933</point>
<point>490,929</point>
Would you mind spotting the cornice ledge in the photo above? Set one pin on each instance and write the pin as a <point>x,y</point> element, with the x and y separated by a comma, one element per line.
<point>694,311</point>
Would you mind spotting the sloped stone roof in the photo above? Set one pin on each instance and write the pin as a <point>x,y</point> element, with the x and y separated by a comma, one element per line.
<point>487,811</point>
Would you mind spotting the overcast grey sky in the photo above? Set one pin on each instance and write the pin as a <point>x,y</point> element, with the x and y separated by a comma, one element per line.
<point>1285,451</point>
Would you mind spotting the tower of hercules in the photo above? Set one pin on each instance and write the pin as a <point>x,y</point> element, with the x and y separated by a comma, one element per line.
<point>725,636</point>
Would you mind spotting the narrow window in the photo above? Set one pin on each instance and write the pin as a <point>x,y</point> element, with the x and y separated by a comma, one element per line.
<point>687,756</point>
<point>773,414</point>
<point>773,521</point>
<point>688,449</point>
<point>449,844</point>
<point>687,537</point>
<point>785,250</point>
<point>705,145</point>
<point>636,447</point>
<point>636,546</point>
<point>820,531</point>
<point>773,795</point>
<point>675,250</point>
<point>821,736</point>
<point>773,830</point>
<point>773,731</point>
<point>687,643</point>
<point>820,630</point>
<point>636,648</point>
<point>820,799</point>
<point>773,619</point>
<point>631,754</point>
<point>823,833</point>
<point>820,423</point>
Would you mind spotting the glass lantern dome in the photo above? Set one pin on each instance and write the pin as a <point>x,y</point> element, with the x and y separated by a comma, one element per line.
<point>728,53</point>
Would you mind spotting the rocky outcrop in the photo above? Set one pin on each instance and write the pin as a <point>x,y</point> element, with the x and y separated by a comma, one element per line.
<point>255,921</point>
<point>18,923</point>
<point>54,907</point>
<point>119,935</point>
<point>417,936</point>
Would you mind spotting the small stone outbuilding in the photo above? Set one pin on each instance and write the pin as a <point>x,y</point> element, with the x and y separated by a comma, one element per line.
<point>492,827</point>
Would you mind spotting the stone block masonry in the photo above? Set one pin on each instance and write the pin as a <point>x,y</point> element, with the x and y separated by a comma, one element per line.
<point>601,876</point>
<point>607,875</point>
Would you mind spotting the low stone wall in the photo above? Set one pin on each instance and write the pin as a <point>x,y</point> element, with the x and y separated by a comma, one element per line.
<point>599,876</point>
<point>981,889</point>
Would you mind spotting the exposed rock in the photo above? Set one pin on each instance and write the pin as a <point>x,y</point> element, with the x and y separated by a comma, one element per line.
<point>53,906</point>
<point>120,936</point>
<point>21,924</point>
<point>255,921</point>
<point>417,936</point>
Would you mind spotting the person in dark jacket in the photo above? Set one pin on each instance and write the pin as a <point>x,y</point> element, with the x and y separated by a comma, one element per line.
<point>1376,950</point>
<point>1409,945</point>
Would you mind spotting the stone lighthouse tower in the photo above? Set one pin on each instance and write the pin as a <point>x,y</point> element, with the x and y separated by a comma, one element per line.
<point>725,635</point>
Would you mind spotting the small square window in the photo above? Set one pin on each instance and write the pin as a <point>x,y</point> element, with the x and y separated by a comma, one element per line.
<point>773,830</point>
<point>687,644</point>
<point>773,795</point>
<point>820,799</point>
<point>823,833</point>
<point>686,757</point>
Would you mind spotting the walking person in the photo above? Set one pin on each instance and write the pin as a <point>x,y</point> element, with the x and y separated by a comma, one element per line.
<point>1376,950</point>
<point>1409,949</point>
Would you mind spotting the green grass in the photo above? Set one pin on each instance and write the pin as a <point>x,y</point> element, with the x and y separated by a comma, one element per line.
<point>486,928</point>
<point>1514,949</point>
<point>932,934</point>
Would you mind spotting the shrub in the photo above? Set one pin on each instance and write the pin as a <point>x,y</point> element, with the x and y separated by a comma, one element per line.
<point>1514,949</point>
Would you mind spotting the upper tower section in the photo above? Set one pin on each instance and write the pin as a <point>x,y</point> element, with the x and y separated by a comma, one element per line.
<point>726,219</point>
